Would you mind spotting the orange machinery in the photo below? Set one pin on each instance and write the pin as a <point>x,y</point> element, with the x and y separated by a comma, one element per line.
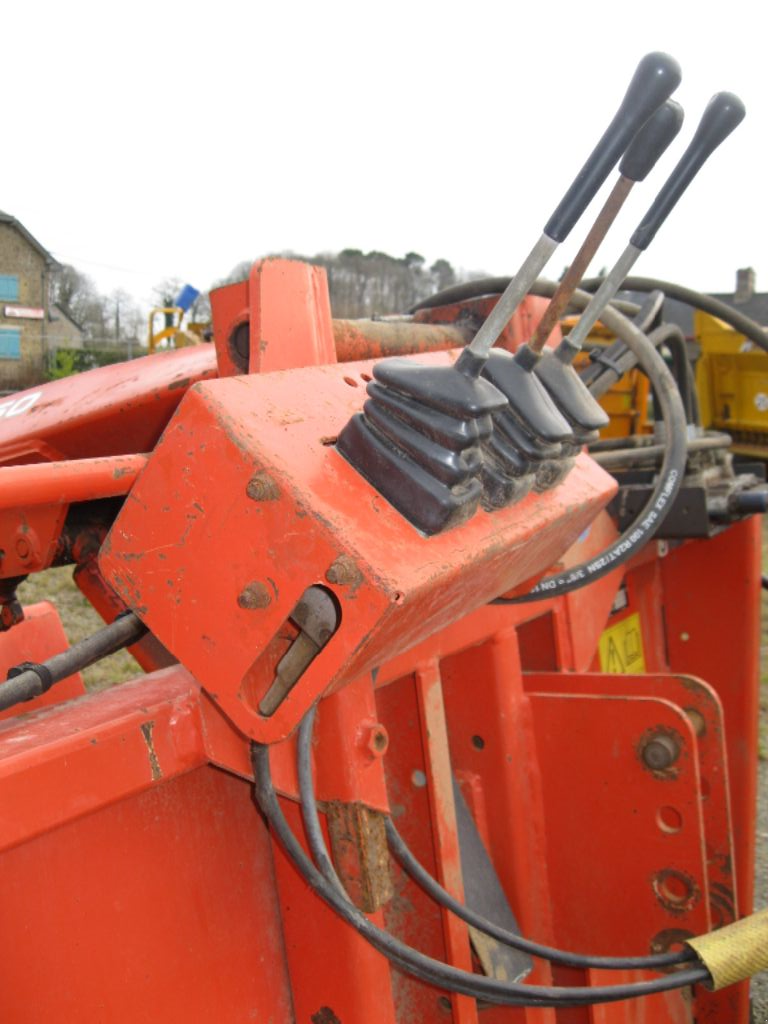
<point>601,744</point>
<point>440,720</point>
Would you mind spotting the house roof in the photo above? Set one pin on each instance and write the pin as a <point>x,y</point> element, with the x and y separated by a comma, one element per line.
<point>681,314</point>
<point>6,218</point>
<point>60,308</point>
<point>755,307</point>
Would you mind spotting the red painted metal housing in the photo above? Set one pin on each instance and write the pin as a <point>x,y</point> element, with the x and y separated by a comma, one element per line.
<point>141,883</point>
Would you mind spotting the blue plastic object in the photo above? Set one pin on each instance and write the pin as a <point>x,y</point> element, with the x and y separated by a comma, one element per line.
<point>186,297</point>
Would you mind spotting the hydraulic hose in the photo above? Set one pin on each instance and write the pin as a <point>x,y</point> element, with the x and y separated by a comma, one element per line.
<point>29,680</point>
<point>486,286</point>
<point>328,886</point>
<point>651,516</point>
<point>698,300</point>
<point>420,875</point>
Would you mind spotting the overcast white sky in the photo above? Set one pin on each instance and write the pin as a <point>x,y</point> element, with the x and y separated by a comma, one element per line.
<point>143,141</point>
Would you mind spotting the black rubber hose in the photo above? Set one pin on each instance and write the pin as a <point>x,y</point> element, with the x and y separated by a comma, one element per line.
<point>464,292</point>
<point>674,339</point>
<point>670,477</point>
<point>686,381</point>
<point>420,875</point>
<point>706,303</point>
<point>488,286</point>
<point>698,300</point>
<point>30,680</point>
<point>326,884</point>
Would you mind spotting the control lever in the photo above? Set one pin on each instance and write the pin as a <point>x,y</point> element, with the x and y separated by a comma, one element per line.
<point>639,160</point>
<point>418,438</point>
<point>559,378</point>
<point>656,78</point>
<point>723,114</point>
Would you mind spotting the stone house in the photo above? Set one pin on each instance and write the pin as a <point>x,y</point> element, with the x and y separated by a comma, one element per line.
<point>29,325</point>
<point>63,330</point>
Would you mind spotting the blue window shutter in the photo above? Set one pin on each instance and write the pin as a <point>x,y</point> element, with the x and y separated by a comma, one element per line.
<point>9,287</point>
<point>10,343</point>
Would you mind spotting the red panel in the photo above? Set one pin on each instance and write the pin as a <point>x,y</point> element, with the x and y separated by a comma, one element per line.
<point>712,612</point>
<point>607,881</point>
<point>60,763</point>
<point>158,908</point>
<point>290,316</point>
<point>492,742</point>
<point>112,410</point>
<point>330,966</point>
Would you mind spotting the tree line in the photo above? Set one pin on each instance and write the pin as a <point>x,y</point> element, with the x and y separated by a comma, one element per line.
<point>112,318</point>
<point>366,284</point>
<point>361,284</point>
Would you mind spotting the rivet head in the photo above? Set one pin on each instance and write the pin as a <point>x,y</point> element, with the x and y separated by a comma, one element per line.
<point>254,596</point>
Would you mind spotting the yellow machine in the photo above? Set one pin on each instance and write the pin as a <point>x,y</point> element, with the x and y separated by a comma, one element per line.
<point>732,384</point>
<point>173,334</point>
<point>627,401</point>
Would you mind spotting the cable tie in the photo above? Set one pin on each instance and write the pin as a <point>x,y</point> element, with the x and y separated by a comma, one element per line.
<point>605,360</point>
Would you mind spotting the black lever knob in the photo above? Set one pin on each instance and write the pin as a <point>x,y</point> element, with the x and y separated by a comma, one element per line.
<point>656,78</point>
<point>723,113</point>
<point>651,141</point>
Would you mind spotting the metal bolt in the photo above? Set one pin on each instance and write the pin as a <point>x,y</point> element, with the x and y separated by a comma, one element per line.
<point>262,487</point>
<point>23,548</point>
<point>660,751</point>
<point>375,739</point>
<point>255,595</point>
<point>344,572</point>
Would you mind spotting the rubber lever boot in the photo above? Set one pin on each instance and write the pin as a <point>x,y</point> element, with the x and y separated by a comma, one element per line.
<point>527,436</point>
<point>418,439</point>
<point>570,394</point>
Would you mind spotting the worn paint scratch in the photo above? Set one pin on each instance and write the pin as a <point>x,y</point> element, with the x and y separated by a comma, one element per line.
<point>154,764</point>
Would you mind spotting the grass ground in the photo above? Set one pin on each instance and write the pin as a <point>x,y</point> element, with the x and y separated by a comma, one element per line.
<point>80,620</point>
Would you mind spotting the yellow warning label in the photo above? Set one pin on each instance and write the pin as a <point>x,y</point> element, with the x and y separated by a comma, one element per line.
<point>621,646</point>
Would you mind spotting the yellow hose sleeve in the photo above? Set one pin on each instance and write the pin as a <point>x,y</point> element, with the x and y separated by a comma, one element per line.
<point>735,952</point>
